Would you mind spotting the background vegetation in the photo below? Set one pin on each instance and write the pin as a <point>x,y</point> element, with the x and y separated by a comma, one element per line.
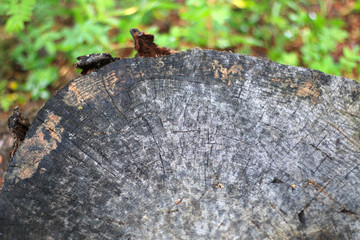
<point>40,39</point>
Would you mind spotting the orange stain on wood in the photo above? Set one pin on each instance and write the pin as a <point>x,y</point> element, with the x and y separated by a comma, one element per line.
<point>73,97</point>
<point>73,88</point>
<point>41,137</point>
<point>34,149</point>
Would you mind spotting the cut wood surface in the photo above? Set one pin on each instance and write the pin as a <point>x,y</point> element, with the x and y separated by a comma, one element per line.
<point>197,145</point>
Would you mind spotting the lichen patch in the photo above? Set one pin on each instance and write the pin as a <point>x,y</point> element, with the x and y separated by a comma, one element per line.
<point>302,89</point>
<point>227,74</point>
<point>308,89</point>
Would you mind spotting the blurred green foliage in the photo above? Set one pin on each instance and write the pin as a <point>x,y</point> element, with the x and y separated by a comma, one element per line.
<point>38,33</point>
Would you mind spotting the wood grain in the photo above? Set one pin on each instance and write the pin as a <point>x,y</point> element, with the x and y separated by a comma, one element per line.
<point>196,145</point>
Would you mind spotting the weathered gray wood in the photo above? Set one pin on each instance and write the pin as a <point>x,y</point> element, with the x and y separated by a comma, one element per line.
<point>197,145</point>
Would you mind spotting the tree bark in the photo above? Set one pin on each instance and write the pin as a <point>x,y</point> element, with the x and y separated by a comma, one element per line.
<point>196,145</point>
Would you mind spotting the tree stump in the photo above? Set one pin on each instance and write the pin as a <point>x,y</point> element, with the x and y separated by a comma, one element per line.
<point>196,145</point>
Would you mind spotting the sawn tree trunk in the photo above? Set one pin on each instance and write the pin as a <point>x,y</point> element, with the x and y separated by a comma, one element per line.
<point>196,145</point>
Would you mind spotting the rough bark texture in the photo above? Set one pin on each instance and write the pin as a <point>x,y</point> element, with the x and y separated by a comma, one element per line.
<point>197,145</point>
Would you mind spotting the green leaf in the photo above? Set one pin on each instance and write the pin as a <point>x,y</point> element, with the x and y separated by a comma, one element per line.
<point>4,6</point>
<point>3,84</point>
<point>6,102</point>
<point>39,80</point>
<point>239,39</point>
<point>19,12</point>
<point>289,59</point>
